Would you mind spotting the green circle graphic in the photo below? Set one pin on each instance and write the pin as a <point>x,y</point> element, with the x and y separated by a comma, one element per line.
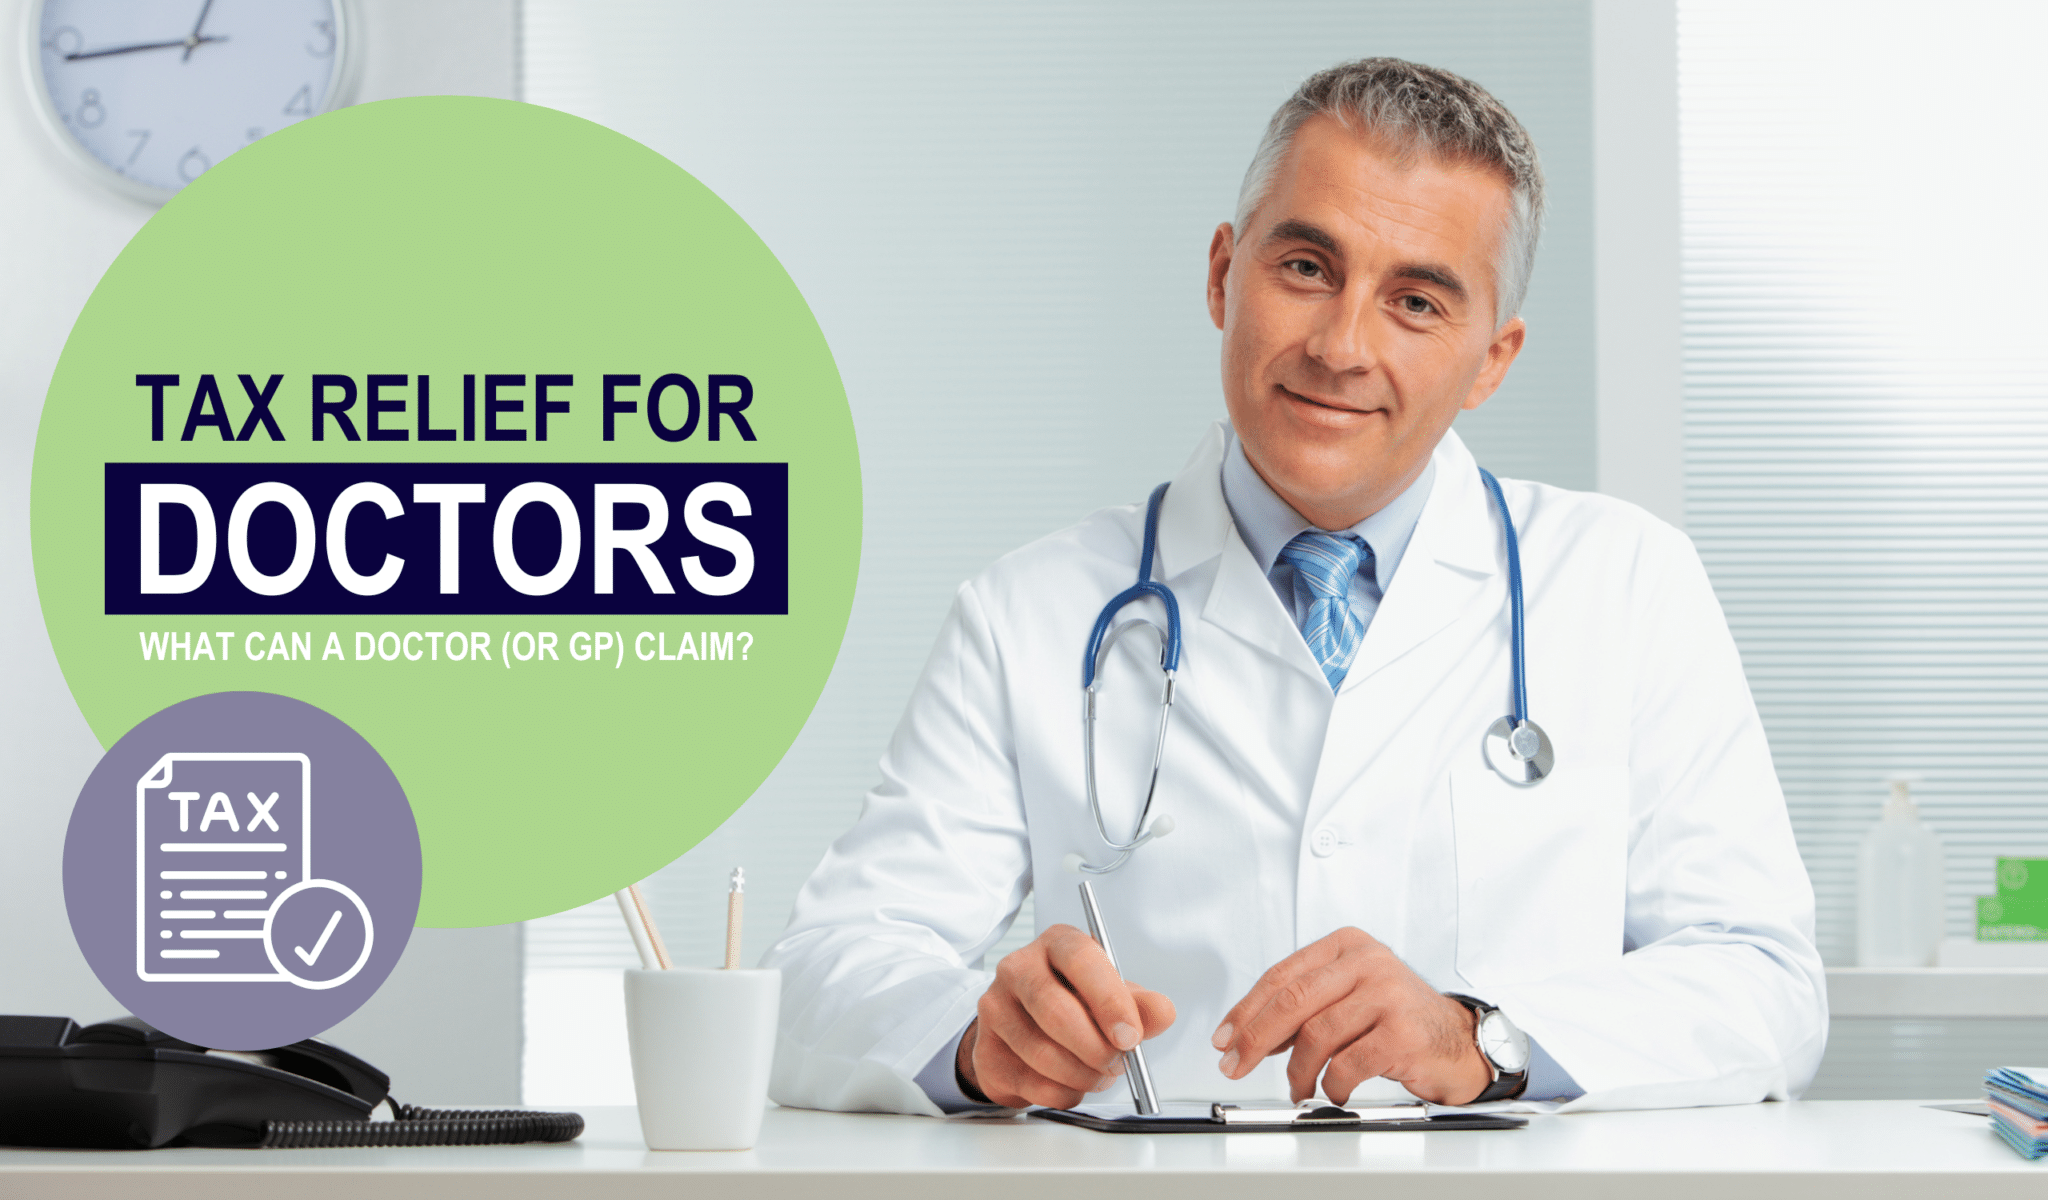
<point>445,237</point>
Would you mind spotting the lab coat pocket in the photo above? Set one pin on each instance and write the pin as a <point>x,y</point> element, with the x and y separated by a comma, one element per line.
<point>1542,872</point>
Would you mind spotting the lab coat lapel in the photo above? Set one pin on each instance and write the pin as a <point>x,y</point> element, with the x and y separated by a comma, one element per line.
<point>1449,565</point>
<point>1243,603</point>
<point>1195,522</point>
<point>1194,527</point>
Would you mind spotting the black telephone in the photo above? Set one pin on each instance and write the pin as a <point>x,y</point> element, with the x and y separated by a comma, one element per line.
<point>124,1085</point>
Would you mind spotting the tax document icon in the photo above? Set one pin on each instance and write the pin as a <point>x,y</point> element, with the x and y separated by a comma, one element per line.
<point>218,838</point>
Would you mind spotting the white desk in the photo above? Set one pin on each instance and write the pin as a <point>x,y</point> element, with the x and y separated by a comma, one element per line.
<point>1868,1149</point>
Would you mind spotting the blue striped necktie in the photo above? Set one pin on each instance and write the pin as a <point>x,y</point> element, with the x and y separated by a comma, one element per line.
<point>1326,562</point>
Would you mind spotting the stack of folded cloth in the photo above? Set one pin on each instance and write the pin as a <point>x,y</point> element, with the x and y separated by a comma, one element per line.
<point>2018,1099</point>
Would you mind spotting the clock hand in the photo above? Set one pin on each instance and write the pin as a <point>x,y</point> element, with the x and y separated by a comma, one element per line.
<point>192,39</point>
<point>132,49</point>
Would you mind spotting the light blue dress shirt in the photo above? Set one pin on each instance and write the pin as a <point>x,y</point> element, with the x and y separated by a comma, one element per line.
<point>1267,523</point>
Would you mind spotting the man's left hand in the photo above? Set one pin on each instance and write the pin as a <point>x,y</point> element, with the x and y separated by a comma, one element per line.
<point>1352,1011</point>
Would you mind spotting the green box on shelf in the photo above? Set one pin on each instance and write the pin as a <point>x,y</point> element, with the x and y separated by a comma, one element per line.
<point>2023,880</point>
<point>2003,920</point>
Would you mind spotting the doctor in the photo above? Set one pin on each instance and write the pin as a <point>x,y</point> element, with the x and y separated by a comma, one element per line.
<point>1350,895</point>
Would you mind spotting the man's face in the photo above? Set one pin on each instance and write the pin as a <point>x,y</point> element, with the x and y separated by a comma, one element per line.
<point>1357,313</point>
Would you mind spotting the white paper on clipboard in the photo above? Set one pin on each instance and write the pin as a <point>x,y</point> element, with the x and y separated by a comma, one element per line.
<point>1169,1110</point>
<point>1279,1114</point>
<point>217,837</point>
<point>1276,1115</point>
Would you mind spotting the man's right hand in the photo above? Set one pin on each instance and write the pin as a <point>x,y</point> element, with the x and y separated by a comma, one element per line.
<point>1055,1023</point>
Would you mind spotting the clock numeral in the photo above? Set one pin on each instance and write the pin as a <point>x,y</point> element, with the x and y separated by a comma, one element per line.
<point>301,103</point>
<point>90,111</point>
<point>193,165</point>
<point>326,48</point>
<point>141,137</point>
<point>252,133</point>
<point>64,41</point>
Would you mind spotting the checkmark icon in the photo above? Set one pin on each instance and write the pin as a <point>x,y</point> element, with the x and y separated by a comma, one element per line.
<point>320,945</point>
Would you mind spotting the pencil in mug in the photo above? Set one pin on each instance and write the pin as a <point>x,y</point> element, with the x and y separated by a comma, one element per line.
<point>640,923</point>
<point>735,904</point>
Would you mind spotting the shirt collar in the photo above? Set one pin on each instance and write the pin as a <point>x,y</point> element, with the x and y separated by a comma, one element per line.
<point>1267,523</point>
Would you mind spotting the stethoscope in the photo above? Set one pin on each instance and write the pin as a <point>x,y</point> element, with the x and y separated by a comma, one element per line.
<point>1514,746</point>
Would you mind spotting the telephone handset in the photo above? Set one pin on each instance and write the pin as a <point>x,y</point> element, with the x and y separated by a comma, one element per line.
<point>124,1085</point>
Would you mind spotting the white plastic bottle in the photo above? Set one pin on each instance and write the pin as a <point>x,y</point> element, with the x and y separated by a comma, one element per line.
<point>1899,884</point>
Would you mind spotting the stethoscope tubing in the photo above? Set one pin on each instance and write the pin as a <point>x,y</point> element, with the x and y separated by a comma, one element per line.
<point>1105,632</point>
<point>1169,652</point>
<point>1515,642</point>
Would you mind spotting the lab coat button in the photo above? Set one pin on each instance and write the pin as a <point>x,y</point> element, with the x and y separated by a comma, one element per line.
<point>1324,843</point>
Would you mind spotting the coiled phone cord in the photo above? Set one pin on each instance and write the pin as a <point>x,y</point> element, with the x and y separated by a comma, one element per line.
<point>427,1127</point>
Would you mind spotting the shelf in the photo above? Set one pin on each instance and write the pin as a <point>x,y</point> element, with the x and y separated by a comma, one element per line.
<point>1937,992</point>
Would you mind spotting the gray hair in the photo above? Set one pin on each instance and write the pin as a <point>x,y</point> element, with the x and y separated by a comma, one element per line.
<point>1419,111</point>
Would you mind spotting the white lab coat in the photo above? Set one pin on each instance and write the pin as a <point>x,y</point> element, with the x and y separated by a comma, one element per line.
<point>1643,913</point>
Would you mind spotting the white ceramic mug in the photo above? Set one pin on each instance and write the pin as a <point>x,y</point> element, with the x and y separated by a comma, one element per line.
<point>702,1042</point>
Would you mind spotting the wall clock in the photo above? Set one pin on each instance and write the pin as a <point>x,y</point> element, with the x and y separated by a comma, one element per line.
<point>146,95</point>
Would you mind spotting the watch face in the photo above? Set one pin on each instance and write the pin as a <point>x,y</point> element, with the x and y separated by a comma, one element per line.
<point>1506,1045</point>
<point>157,91</point>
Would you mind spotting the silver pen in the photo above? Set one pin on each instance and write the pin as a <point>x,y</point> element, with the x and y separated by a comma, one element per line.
<point>1136,1073</point>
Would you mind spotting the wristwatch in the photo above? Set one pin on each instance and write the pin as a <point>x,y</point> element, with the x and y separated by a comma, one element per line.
<point>1504,1047</point>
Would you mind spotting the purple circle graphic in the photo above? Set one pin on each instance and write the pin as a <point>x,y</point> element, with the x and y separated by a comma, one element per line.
<point>242,870</point>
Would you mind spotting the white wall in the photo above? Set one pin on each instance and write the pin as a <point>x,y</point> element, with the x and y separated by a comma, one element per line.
<point>58,233</point>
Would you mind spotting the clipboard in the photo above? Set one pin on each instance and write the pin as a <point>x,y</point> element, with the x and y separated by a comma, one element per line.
<point>1309,1118</point>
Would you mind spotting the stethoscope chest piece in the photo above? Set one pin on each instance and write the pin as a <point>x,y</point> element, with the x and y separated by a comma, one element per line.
<point>1520,753</point>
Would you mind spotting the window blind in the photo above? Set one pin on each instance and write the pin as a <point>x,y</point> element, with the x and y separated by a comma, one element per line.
<point>1866,439</point>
